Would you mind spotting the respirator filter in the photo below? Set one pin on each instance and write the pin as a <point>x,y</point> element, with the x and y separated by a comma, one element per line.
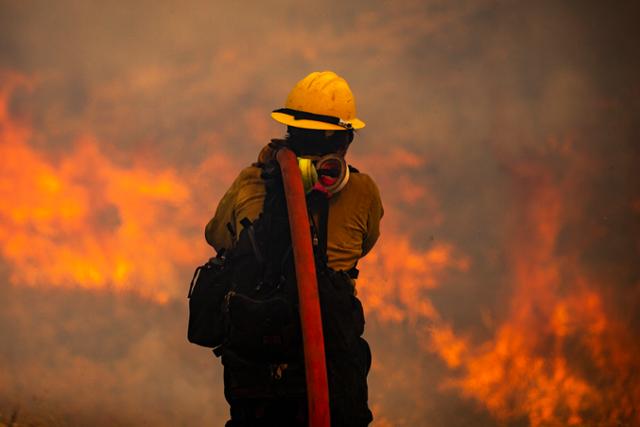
<point>328,174</point>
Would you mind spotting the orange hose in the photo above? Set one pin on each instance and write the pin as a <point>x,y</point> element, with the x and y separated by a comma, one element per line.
<point>309,299</point>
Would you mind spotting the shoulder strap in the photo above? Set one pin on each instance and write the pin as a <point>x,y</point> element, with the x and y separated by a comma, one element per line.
<point>274,223</point>
<point>323,225</point>
<point>318,203</point>
<point>251,232</point>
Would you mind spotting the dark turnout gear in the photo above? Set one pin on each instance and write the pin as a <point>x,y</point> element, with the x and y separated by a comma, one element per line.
<point>262,356</point>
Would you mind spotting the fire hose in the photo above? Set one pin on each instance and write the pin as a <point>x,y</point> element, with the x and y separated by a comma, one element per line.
<point>309,299</point>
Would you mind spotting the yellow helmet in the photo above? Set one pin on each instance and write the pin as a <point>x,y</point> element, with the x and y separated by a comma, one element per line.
<point>322,101</point>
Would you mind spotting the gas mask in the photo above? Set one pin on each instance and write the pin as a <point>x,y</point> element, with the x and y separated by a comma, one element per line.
<point>328,174</point>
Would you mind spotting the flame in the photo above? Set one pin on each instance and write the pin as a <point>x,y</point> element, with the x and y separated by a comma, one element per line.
<point>396,278</point>
<point>86,221</point>
<point>559,356</point>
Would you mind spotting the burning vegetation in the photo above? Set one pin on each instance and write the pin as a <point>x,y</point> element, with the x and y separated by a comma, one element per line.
<point>505,287</point>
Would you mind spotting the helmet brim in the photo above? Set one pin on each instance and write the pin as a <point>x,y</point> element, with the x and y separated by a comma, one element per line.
<point>289,120</point>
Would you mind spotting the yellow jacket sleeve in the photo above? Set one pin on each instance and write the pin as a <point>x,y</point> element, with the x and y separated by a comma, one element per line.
<point>244,199</point>
<point>375,214</point>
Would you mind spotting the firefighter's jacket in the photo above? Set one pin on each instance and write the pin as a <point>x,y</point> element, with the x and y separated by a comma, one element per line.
<point>354,216</point>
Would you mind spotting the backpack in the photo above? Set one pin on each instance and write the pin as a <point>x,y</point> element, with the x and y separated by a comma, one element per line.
<point>208,287</point>
<point>240,297</point>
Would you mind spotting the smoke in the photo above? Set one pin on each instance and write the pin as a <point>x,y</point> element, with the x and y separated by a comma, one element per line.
<point>503,137</point>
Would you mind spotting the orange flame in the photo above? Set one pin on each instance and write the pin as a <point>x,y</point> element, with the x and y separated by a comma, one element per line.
<point>558,347</point>
<point>87,221</point>
<point>558,357</point>
<point>396,278</point>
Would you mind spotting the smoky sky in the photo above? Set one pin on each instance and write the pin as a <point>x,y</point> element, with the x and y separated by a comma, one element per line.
<point>471,108</point>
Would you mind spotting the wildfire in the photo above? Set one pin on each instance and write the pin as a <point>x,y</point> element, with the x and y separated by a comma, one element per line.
<point>396,279</point>
<point>86,221</point>
<point>558,357</point>
<point>555,354</point>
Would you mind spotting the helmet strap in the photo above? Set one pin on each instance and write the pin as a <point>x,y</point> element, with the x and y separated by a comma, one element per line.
<point>304,115</point>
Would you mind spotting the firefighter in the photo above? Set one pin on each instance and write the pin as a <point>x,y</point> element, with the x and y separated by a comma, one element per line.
<point>320,115</point>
